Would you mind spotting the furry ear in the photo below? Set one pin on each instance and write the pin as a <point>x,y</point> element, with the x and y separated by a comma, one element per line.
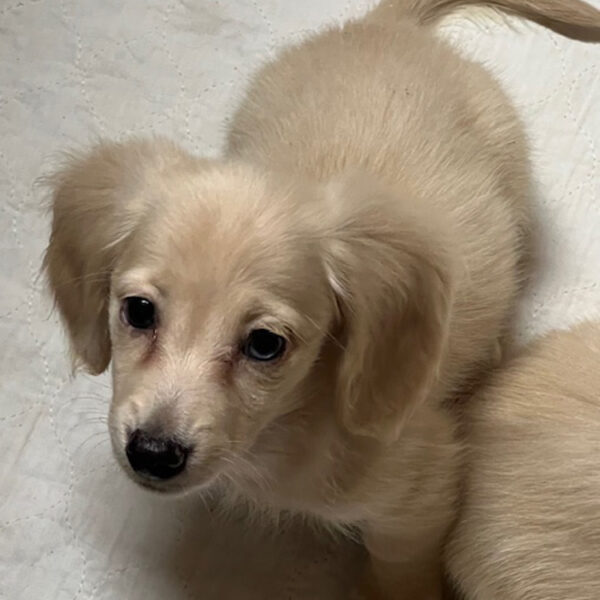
<point>392,276</point>
<point>97,201</point>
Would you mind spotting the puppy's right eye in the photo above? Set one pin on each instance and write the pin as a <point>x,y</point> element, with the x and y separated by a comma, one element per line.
<point>139,312</point>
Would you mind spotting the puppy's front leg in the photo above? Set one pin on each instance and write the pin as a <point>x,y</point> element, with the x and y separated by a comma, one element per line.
<point>403,567</point>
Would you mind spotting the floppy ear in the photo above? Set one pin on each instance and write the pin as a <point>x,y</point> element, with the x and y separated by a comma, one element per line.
<point>97,201</point>
<point>390,270</point>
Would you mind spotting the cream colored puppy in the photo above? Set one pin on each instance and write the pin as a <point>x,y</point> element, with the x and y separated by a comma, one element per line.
<point>530,524</point>
<point>287,321</point>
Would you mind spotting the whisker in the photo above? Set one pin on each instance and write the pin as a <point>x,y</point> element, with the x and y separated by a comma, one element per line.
<point>93,419</point>
<point>77,406</point>
<point>87,440</point>
<point>250,469</point>
<point>88,452</point>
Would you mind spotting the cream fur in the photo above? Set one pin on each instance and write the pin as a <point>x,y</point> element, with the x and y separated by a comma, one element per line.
<point>530,524</point>
<point>372,207</point>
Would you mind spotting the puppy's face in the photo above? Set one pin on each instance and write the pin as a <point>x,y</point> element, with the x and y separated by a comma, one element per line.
<point>218,310</point>
<point>228,301</point>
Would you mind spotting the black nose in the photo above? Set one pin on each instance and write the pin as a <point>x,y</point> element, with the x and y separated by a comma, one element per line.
<point>155,458</point>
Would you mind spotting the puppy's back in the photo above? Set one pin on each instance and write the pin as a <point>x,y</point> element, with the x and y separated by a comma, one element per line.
<point>530,524</point>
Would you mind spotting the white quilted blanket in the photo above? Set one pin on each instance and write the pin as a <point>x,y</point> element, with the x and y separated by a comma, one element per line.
<point>71,526</point>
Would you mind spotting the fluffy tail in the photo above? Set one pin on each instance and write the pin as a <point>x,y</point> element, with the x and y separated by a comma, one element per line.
<point>572,18</point>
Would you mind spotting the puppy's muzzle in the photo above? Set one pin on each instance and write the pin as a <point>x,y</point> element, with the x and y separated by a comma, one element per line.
<point>154,457</point>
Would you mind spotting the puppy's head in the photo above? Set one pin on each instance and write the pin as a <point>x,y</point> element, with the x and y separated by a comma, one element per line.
<point>230,300</point>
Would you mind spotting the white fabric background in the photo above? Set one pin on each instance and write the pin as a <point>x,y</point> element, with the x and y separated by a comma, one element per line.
<point>71,526</point>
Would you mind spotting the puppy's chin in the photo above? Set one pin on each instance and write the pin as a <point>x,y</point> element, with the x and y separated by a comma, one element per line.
<point>165,488</point>
<point>159,487</point>
<point>180,485</point>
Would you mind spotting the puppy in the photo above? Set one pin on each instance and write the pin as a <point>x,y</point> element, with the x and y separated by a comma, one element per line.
<point>286,322</point>
<point>530,524</point>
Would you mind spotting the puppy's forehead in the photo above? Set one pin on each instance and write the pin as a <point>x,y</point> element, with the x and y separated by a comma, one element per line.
<point>228,227</point>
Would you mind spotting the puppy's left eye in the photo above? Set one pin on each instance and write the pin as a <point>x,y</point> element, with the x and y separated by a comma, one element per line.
<point>264,345</point>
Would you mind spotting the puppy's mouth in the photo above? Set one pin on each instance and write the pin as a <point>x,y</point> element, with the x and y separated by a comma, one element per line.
<point>192,478</point>
<point>171,488</point>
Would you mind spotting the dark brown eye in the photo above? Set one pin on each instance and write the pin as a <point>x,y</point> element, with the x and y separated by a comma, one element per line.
<point>139,312</point>
<point>264,345</point>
